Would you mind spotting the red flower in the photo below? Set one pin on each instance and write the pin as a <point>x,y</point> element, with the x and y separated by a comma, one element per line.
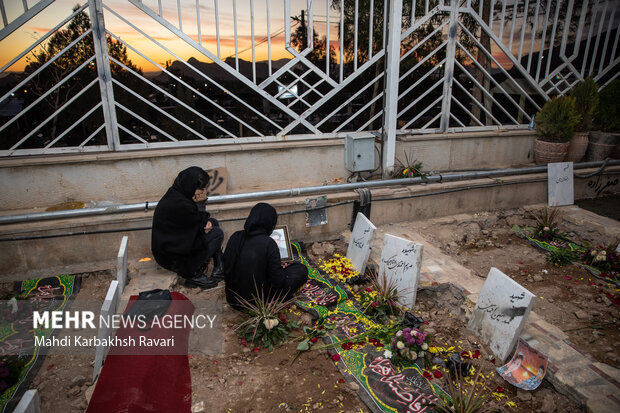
<point>319,328</point>
<point>465,354</point>
<point>426,322</point>
<point>499,389</point>
<point>347,346</point>
<point>493,361</point>
<point>314,340</point>
<point>568,277</point>
<point>374,304</point>
<point>368,289</point>
<point>256,349</point>
<point>244,343</point>
<point>428,375</point>
<point>476,354</point>
<point>340,380</point>
<point>336,357</point>
<point>437,374</point>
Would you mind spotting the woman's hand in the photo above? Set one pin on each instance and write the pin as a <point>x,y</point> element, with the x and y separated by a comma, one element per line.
<point>200,195</point>
<point>208,227</point>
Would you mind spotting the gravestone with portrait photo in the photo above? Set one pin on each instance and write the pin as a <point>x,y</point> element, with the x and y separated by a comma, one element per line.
<point>560,187</point>
<point>500,313</point>
<point>360,243</point>
<point>401,260</point>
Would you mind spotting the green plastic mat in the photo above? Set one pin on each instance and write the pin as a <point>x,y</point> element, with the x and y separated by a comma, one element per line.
<point>385,386</point>
<point>20,358</point>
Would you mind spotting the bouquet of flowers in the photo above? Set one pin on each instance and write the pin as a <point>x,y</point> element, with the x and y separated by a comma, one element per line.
<point>605,259</point>
<point>409,344</point>
<point>339,267</point>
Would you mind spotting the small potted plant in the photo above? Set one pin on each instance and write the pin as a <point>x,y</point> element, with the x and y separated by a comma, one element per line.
<point>606,123</point>
<point>586,102</point>
<point>555,125</point>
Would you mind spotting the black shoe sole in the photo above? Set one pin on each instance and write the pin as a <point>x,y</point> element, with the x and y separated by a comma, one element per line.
<point>191,284</point>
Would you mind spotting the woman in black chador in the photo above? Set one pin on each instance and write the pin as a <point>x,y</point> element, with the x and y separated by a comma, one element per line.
<point>184,236</point>
<point>252,260</point>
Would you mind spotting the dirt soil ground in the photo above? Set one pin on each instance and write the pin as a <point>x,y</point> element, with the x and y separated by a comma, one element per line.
<point>244,379</point>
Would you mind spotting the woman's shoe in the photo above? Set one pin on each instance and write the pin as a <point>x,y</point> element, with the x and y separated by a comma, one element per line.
<point>218,266</point>
<point>201,281</point>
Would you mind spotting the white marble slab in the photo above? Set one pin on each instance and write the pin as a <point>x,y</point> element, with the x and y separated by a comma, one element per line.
<point>29,403</point>
<point>501,312</point>
<point>560,187</point>
<point>109,307</point>
<point>401,260</point>
<point>121,265</point>
<point>360,243</point>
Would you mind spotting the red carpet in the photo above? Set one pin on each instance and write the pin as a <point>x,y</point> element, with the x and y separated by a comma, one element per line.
<point>131,383</point>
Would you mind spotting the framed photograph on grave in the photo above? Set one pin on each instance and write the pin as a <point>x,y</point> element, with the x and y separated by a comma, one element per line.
<point>280,236</point>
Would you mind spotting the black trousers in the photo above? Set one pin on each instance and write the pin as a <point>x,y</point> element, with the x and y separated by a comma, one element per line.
<point>191,265</point>
<point>296,275</point>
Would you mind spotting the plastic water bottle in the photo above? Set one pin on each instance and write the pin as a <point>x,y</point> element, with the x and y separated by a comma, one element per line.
<point>532,125</point>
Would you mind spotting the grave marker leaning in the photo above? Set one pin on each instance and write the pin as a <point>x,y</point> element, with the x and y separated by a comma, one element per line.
<point>500,313</point>
<point>121,265</point>
<point>560,187</point>
<point>401,260</point>
<point>361,240</point>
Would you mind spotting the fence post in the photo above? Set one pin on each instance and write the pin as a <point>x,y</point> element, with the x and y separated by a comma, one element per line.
<point>390,114</point>
<point>449,73</point>
<point>95,8</point>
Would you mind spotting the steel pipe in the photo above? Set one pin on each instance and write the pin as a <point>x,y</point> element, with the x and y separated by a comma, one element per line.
<point>283,193</point>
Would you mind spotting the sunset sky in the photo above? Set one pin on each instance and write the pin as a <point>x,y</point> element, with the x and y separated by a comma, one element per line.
<point>60,9</point>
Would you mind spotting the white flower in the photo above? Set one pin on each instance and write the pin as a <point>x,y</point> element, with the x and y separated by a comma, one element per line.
<point>387,354</point>
<point>400,345</point>
<point>399,333</point>
<point>546,229</point>
<point>603,252</point>
<point>403,351</point>
<point>421,354</point>
<point>593,253</point>
<point>413,355</point>
<point>545,272</point>
<point>270,323</point>
<point>424,346</point>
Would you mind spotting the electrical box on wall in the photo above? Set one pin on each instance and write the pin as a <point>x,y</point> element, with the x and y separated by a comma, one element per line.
<point>359,153</point>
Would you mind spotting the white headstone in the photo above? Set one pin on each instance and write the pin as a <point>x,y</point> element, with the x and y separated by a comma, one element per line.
<point>361,240</point>
<point>560,186</point>
<point>121,265</point>
<point>108,309</point>
<point>29,403</point>
<point>500,313</point>
<point>401,261</point>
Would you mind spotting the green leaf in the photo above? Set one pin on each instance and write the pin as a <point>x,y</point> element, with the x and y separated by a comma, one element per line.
<point>303,346</point>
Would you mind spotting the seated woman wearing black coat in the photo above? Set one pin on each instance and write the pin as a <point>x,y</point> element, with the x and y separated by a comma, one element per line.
<point>252,261</point>
<point>184,236</point>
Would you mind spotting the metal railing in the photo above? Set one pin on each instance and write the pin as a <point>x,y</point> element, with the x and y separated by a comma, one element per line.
<point>259,70</point>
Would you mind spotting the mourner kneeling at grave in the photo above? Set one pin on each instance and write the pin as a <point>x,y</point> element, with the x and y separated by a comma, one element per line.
<point>253,267</point>
<point>184,236</point>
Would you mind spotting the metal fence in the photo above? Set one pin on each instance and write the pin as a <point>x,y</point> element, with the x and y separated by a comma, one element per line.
<point>129,74</point>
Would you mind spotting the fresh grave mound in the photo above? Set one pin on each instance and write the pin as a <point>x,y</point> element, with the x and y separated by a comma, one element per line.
<point>135,380</point>
<point>21,357</point>
<point>557,244</point>
<point>385,386</point>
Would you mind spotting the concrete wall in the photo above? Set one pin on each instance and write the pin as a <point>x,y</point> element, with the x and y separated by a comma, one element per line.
<point>35,183</point>
<point>86,252</point>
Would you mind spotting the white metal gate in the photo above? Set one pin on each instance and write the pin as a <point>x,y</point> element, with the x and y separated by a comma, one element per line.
<point>256,70</point>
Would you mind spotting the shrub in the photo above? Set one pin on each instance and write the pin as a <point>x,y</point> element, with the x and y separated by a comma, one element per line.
<point>607,116</point>
<point>557,119</point>
<point>586,102</point>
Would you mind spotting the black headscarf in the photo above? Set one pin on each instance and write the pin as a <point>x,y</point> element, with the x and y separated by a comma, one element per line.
<point>262,220</point>
<point>178,223</point>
